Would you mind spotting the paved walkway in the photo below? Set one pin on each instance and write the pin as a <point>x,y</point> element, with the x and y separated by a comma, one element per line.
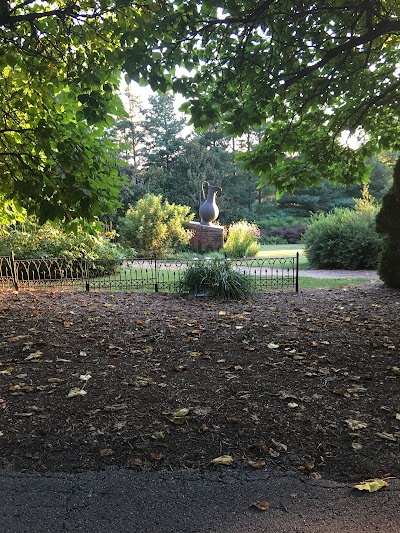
<point>328,274</point>
<point>216,501</point>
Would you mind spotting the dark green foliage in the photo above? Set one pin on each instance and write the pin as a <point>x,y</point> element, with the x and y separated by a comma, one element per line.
<point>285,235</point>
<point>218,279</point>
<point>343,239</point>
<point>162,131</point>
<point>282,65</point>
<point>388,225</point>
<point>270,239</point>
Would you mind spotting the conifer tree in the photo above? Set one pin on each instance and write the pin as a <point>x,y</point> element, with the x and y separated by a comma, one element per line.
<point>388,224</point>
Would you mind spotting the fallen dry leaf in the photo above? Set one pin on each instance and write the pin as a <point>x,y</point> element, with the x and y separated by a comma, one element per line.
<point>137,463</point>
<point>21,387</point>
<point>177,420</point>
<point>155,456</point>
<point>272,346</point>
<point>386,436</point>
<point>257,464</point>
<point>261,505</point>
<point>76,391</point>
<point>34,355</point>
<point>279,445</point>
<point>355,424</point>
<point>85,377</point>
<point>226,460</point>
<point>55,380</point>
<point>106,452</point>
<point>181,412</point>
<point>371,485</point>
<point>180,368</point>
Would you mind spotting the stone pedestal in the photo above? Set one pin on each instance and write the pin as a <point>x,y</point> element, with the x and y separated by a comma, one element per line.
<point>206,238</point>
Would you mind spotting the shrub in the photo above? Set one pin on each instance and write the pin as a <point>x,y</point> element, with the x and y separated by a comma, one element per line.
<point>242,240</point>
<point>344,239</point>
<point>155,226</point>
<point>271,239</point>
<point>291,235</point>
<point>48,241</point>
<point>280,219</point>
<point>218,277</point>
<point>53,241</point>
<point>388,225</point>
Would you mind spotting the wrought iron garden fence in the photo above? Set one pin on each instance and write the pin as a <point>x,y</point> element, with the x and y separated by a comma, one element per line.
<point>139,274</point>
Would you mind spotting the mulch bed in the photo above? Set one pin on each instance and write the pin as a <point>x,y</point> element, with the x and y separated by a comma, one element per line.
<point>153,382</point>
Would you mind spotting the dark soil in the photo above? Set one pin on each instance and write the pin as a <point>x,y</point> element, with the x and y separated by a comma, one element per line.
<point>307,381</point>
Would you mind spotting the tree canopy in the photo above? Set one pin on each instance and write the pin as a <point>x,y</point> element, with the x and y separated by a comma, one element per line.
<point>310,73</point>
<point>59,73</point>
<point>303,72</point>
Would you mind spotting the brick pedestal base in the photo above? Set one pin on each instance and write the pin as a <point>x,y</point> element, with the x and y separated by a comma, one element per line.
<point>206,237</point>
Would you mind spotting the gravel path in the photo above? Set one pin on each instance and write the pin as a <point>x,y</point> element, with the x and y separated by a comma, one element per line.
<point>335,274</point>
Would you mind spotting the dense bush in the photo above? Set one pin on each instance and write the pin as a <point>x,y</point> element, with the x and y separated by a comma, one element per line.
<point>291,235</point>
<point>41,242</point>
<point>271,239</point>
<point>344,239</point>
<point>153,226</point>
<point>217,278</point>
<point>388,225</point>
<point>242,240</point>
<point>280,219</point>
<point>47,241</point>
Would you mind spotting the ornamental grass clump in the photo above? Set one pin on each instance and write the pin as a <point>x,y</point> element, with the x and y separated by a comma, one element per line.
<point>242,240</point>
<point>216,278</point>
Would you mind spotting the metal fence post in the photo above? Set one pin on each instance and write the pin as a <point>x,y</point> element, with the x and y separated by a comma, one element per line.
<point>297,272</point>
<point>155,274</point>
<point>13,271</point>
<point>85,272</point>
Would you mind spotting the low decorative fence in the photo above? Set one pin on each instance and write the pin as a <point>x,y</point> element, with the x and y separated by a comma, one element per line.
<point>146,275</point>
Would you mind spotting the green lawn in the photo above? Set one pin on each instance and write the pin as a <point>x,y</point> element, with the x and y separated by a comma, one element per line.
<point>329,283</point>
<point>267,251</point>
<point>284,250</point>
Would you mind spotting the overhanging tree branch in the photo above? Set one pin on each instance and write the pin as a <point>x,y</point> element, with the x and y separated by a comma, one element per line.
<point>382,29</point>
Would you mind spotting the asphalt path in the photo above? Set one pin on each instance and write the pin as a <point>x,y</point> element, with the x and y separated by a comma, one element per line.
<point>218,500</point>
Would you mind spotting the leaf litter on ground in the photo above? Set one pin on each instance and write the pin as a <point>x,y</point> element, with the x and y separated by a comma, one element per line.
<point>318,392</point>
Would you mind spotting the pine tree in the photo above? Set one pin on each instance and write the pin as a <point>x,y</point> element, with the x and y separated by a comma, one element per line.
<point>163,128</point>
<point>388,224</point>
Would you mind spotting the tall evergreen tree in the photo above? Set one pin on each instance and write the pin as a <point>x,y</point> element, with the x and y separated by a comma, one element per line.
<point>162,131</point>
<point>388,224</point>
